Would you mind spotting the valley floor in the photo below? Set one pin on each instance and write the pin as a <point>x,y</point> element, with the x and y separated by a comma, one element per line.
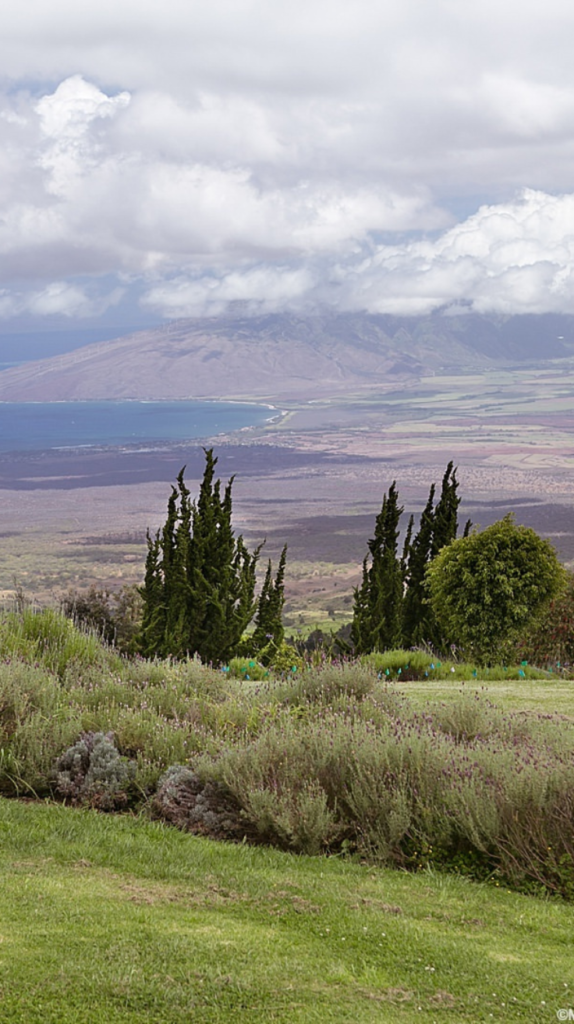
<point>315,479</point>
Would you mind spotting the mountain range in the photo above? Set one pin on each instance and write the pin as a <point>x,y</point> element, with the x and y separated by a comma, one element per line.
<point>287,356</point>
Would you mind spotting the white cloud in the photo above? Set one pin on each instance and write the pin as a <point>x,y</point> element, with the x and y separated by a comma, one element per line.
<point>512,258</point>
<point>240,150</point>
<point>59,298</point>
<point>259,289</point>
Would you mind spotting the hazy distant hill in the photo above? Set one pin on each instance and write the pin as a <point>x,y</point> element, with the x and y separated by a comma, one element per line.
<point>285,356</point>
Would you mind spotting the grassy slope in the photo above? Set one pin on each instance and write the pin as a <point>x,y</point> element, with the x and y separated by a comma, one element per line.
<point>108,919</point>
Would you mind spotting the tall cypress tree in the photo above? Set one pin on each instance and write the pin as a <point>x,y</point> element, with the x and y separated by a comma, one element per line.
<point>377,609</point>
<point>199,584</point>
<point>438,527</point>
<point>415,611</point>
<point>268,620</point>
<point>446,512</point>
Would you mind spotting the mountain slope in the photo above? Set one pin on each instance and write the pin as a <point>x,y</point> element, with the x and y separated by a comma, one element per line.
<point>284,356</point>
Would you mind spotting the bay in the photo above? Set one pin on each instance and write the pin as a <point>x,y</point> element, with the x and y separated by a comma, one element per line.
<point>30,426</point>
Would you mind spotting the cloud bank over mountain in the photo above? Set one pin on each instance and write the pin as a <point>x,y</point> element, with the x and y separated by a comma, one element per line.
<point>357,157</point>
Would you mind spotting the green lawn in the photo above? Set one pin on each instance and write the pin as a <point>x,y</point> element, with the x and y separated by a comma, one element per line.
<point>547,696</point>
<point>115,919</point>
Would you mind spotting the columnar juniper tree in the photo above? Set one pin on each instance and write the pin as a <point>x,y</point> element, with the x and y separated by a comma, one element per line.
<point>415,611</point>
<point>391,606</point>
<point>268,622</point>
<point>199,585</point>
<point>438,527</point>
<point>378,601</point>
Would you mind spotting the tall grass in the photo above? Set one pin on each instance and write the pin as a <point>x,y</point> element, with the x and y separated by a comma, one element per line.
<point>49,639</point>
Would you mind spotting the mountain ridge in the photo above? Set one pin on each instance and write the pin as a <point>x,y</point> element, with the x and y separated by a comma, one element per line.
<point>286,356</point>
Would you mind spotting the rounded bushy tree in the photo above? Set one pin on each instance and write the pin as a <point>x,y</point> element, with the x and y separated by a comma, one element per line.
<point>485,588</point>
<point>550,639</point>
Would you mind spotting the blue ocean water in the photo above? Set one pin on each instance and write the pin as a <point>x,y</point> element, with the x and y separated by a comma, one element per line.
<point>29,426</point>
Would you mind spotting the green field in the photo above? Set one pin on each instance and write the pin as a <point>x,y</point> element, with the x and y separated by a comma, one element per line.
<point>107,919</point>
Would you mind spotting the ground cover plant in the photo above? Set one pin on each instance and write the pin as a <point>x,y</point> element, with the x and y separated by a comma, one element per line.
<point>332,759</point>
<point>112,918</point>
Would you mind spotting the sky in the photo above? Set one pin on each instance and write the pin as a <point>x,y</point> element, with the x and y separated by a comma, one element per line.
<point>175,159</point>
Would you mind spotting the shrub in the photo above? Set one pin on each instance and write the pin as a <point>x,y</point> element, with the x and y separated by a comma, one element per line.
<point>550,641</point>
<point>35,726</point>
<point>326,684</point>
<point>114,615</point>
<point>93,772</point>
<point>206,808</point>
<point>246,668</point>
<point>466,788</point>
<point>485,588</point>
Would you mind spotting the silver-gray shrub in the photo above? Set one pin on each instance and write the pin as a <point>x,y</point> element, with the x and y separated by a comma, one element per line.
<point>92,771</point>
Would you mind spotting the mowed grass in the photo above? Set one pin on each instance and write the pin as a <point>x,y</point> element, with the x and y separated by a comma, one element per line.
<point>547,696</point>
<point>116,919</point>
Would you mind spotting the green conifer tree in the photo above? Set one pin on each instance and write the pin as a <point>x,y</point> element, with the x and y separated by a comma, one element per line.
<point>438,527</point>
<point>268,620</point>
<point>377,612</point>
<point>446,512</point>
<point>415,611</point>
<point>199,585</point>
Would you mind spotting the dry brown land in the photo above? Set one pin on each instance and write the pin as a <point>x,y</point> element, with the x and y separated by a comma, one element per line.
<point>315,479</point>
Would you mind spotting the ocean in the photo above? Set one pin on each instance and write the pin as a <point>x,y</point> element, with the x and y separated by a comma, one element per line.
<point>30,426</point>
